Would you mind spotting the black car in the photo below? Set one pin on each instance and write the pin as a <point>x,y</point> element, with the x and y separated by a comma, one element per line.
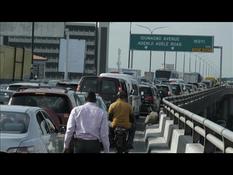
<point>165,90</point>
<point>106,87</point>
<point>149,98</point>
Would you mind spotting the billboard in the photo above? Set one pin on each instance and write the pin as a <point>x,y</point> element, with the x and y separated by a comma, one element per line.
<point>43,29</point>
<point>76,55</point>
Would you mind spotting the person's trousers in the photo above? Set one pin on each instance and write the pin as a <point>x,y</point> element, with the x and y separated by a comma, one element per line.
<point>87,146</point>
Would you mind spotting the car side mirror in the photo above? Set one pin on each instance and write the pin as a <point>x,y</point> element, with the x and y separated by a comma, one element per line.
<point>132,92</point>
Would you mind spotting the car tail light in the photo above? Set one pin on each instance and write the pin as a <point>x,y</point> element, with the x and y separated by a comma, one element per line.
<point>169,93</point>
<point>78,88</point>
<point>24,149</point>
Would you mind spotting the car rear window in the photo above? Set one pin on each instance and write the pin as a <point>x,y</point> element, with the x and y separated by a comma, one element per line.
<point>164,88</point>
<point>108,86</point>
<point>13,122</point>
<point>58,103</point>
<point>89,84</point>
<point>146,90</point>
<point>175,89</point>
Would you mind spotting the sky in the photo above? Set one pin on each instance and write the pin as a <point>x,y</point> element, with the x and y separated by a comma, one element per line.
<point>222,32</point>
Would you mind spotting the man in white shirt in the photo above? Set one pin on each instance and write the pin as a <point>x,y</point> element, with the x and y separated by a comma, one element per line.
<point>89,124</point>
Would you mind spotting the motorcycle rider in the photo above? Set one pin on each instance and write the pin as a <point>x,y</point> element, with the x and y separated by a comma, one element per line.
<point>121,114</point>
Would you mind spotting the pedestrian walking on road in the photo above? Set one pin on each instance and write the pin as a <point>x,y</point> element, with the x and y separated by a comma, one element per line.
<point>89,125</point>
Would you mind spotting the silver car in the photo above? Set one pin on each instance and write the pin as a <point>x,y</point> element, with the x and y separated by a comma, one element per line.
<point>80,98</point>
<point>25,129</point>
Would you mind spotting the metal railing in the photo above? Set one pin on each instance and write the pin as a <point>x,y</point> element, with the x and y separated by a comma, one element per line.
<point>212,136</point>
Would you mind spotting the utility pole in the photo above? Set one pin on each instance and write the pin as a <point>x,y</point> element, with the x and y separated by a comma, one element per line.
<point>164,59</point>
<point>189,61</point>
<point>196,64</point>
<point>175,60</point>
<point>32,68</point>
<point>67,54</point>
<point>184,65</point>
<point>151,32</point>
<point>119,59</point>
<point>199,65</point>
<point>129,44</point>
<point>132,60</point>
<point>220,73</point>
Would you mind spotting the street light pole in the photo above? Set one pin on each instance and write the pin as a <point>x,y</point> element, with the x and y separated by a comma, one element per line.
<point>196,64</point>
<point>164,59</point>
<point>32,68</point>
<point>151,32</point>
<point>129,44</point>
<point>220,73</point>
<point>184,65</point>
<point>150,62</point>
<point>189,61</point>
<point>176,61</point>
<point>67,54</point>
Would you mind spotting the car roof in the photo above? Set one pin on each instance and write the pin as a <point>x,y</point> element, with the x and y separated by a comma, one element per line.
<point>17,108</point>
<point>44,90</point>
<point>145,85</point>
<point>25,84</point>
<point>124,76</point>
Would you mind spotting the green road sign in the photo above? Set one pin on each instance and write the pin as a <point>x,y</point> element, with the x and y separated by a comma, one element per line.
<point>182,43</point>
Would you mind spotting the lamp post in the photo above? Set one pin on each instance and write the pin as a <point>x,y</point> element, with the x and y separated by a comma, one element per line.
<point>32,68</point>
<point>151,32</point>
<point>130,27</point>
<point>67,54</point>
<point>196,63</point>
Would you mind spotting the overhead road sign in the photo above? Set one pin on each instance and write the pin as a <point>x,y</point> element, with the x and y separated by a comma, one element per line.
<point>182,43</point>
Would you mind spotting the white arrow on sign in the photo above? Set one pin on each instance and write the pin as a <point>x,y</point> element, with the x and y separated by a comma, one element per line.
<point>172,48</point>
<point>146,47</point>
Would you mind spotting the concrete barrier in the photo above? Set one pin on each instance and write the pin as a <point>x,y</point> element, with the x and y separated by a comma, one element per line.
<point>194,148</point>
<point>183,141</point>
<point>162,142</point>
<point>156,131</point>
<point>174,142</point>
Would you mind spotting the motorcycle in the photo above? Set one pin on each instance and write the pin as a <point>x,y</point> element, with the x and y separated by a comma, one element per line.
<point>121,139</point>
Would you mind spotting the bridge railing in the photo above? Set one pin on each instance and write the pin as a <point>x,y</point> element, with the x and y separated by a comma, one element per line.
<point>212,136</point>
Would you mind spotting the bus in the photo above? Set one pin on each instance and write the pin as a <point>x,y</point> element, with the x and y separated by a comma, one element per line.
<point>163,75</point>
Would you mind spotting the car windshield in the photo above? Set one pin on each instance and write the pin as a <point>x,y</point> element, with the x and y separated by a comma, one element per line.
<point>89,84</point>
<point>13,122</point>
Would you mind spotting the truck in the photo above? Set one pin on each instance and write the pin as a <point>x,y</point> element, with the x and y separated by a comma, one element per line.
<point>192,77</point>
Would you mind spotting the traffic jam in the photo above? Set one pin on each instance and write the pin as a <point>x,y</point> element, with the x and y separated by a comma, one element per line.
<point>34,115</point>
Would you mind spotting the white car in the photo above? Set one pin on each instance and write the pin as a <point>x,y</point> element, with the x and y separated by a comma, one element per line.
<point>25,129</point>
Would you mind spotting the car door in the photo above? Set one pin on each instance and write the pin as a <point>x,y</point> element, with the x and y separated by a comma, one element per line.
<point>55,140</point>
<point>45,136</point>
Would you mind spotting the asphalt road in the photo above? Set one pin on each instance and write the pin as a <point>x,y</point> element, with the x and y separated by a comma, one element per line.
<point>139,144</point>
